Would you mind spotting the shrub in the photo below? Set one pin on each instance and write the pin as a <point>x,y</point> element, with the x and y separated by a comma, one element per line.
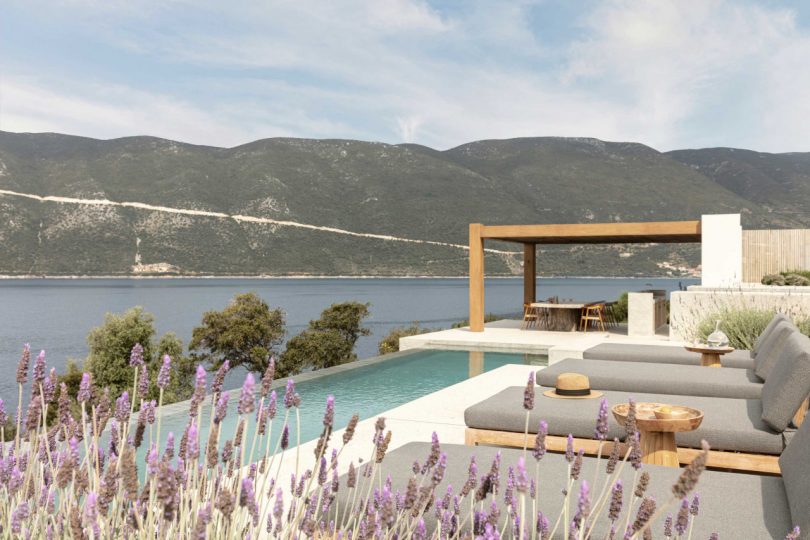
<point>328,341</point>
<point>620,308</point>
<point>245,333</point>
<point>743,325</point>
<point>773,279</point>
<point>390,343</point>
<point>803,273</point>
<point>795,280</point>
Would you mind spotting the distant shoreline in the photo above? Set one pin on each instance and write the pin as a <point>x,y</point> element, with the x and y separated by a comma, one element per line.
<point>311,276</point>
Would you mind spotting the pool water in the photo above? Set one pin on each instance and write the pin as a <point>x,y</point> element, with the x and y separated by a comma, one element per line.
<point>367,390</point>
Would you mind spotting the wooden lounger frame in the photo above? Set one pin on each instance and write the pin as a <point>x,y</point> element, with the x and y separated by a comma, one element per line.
<point>758,463</point>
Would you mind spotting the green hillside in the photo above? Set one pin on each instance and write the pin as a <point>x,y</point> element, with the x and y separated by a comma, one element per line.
<point>406,191</point>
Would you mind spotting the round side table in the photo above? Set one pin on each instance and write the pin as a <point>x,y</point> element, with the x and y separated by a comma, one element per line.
<point>658,434</point>
<point>709,356</point>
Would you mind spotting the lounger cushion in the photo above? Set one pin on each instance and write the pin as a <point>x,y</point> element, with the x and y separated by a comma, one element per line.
<point>779,317</point>
<point>771,349</point>
<point>728,424</point>
<point>788,383</point>
<point>795,465</point>
<point>733,505</point>
<point>662,354</point>
<point>658,378</point>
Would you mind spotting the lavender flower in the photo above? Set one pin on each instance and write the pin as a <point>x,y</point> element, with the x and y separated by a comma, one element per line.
<point>569,449</point>
<point>267,378</point>
<point>576,467</point>
<point>285,437</point>
<point>600,433</point>
<point>682,520</point>
<point>168,453</point>
<point>521,478</point>
<point>272,405</point>
<point>143,383</point>
<point>528,393</point>
<point>20,514</point>
<point>289,394</point>
<point>635,451</point>
<point>668,526</point>
<point>85,388</point>
<point>794,534</point>
<point>246,399</point>
<point>219,378</point>
<point>193,443</point>
<point>691,473</point>
<point>165,372</point>
<point>122,408</point>
<point>540,441</point>
<point>39,368</point>
<point>136,355</point>
<point>694,509</point>
<point>49,386</point>
<point>199,391</point>
<point>583,504</point>
<point>3,414</point>
<point>221,408</point>
<point>329,414</point>
<point>22,367</point>
<point>616,501</point>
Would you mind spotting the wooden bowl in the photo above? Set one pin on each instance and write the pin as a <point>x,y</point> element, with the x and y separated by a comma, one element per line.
<point>680,418</point>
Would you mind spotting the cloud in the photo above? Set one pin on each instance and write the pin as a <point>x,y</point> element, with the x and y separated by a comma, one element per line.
<point>670,73</point>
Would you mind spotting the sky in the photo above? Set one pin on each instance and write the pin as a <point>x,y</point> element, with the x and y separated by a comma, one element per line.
<point>670,74</point>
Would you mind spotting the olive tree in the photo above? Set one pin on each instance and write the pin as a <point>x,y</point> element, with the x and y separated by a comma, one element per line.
<point>245,333</point>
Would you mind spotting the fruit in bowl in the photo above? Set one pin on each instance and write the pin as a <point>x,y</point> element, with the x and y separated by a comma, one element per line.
<point>667,412</point>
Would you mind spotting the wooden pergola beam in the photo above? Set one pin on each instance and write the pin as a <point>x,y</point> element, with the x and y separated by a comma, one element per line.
<point>567,233</point>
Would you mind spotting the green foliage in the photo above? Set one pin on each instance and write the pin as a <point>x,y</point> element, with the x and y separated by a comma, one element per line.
<point>793,278</point>
<point>489,317</point>
<point>390,343</point>
<point>328,341</point>
<point>803,273</point>
<point>246,333</point>
<point>620,307</point>
<point>181,379</point>
<point>743,325</point>
<point>110,348</point>
<point>773,279</point>
<point>111,344</point>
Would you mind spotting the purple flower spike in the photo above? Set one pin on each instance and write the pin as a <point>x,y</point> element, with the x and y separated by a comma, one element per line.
<point>521,478</point>
<point>165,372</point>
<point>285,437</point>
<point>540,441</point>
<point>122,408</point>
<point>569,449</point>
<point>143,383</point>
<point>85,388</point>
<point>694,509</point>
<point>136,356</point>
<point>3,414</point>
<point>793,535</point>
<point>39,368</point>
<point>19,515</point>
<point>329,415</point>
<point>289,394</point>
<point>193,445</point>
<point>247,398</point>
<point>600,433</point>
<point>271,406</point>
<point>22,367</point>
<point>222,408</point>
<point>528,393</point>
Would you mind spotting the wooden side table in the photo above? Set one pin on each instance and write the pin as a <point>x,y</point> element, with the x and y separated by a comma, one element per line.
<point>658,434</point>
<point>709,356</point>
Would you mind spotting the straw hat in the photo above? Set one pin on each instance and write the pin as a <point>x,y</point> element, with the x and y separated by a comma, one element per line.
<point>572,386</point>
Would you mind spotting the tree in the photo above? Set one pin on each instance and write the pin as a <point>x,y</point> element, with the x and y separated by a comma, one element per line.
<point>111,344</point>
<point>110,348</point>
<point>345,318</point>
<point>245,333</point>
<point>328,341</point>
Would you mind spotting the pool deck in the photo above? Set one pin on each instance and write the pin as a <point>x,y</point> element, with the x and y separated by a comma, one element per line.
<point>507,336</point>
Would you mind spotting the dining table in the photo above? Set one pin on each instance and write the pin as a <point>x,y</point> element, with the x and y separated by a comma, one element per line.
<point>561,316</point>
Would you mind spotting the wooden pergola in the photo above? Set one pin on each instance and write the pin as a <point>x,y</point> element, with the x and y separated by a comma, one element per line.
<point>570,233</point>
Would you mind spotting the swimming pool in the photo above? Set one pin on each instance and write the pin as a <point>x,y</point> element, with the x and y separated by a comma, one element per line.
<point>373,387</point>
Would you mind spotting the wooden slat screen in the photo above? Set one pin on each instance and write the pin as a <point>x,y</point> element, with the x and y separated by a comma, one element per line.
<point>773,251</point>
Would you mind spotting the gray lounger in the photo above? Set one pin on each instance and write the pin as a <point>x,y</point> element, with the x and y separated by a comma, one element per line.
<point>668,354</point>
<point>751,426</point>
<point>659,378</point>
<point>733,505</point>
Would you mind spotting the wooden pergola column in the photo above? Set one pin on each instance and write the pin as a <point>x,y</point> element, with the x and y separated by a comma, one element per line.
<point>476,278</point>
<point>529,273</point>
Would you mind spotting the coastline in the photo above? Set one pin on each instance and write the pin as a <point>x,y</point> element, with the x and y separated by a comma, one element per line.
<point>313,276</point>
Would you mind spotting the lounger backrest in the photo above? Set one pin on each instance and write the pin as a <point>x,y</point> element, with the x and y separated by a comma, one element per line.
<point>795,465</point>
<point>771,350</point>
<point>768,329</point>
<point>788,383</point>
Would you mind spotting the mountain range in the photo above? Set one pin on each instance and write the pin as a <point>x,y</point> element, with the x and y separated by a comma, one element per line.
<point>148,206</point>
